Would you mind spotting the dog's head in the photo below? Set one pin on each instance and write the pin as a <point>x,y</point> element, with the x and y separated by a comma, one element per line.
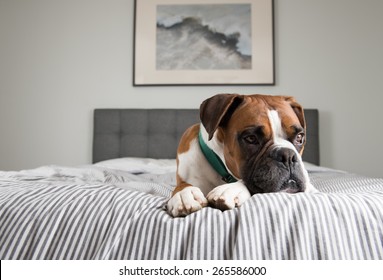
<point>263,138</point>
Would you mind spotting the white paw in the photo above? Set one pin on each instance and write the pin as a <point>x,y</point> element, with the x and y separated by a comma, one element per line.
<point>187,201</point>
<point>228,196</point>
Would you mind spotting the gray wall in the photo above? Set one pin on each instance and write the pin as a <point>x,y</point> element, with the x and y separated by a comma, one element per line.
<point>61,59</point>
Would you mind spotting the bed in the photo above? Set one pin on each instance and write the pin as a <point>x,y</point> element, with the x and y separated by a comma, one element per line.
<point>115,207</point>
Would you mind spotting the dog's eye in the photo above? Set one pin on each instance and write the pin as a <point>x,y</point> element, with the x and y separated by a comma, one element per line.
<point>299,139</point>
<point>251,139</point>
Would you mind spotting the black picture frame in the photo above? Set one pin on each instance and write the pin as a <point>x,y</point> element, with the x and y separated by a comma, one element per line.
<point>160,26</point>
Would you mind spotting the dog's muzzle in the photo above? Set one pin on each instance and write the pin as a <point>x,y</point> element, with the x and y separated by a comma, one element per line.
<point>279,169</point>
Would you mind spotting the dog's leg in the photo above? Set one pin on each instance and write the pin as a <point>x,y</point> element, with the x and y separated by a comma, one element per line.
<point>228,196</point>
<point>185,200</point>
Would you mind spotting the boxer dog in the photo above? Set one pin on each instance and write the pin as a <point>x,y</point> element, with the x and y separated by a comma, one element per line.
<point>244,145</point>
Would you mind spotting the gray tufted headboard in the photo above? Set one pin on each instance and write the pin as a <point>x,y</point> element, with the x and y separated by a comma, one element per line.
<point>155,133</point>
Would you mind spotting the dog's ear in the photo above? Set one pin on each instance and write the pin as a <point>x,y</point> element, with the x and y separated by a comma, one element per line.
<point>217,110</point>
<point>298,110</point>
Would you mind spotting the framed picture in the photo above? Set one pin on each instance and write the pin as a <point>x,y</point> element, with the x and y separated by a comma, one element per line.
<point>203,42</point>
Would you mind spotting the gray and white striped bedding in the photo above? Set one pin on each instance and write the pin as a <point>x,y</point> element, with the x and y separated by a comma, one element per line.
<point>93,212</point>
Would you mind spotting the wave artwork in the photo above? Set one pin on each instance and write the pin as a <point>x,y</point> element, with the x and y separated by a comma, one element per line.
<point>203,37</point>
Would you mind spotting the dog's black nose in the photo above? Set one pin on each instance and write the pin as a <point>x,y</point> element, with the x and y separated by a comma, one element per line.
<point>285,156</point>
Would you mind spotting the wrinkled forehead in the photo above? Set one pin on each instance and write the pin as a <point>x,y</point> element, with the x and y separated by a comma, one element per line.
<point>256,112</point>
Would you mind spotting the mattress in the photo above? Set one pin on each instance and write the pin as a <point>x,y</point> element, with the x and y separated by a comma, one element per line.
<point>116,209</point>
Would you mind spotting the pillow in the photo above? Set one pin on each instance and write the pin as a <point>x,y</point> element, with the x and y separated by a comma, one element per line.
<point>140,165</point>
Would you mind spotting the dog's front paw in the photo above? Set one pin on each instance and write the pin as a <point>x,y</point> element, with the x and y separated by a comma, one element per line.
<point>228,196</point>
<point>186,201</point>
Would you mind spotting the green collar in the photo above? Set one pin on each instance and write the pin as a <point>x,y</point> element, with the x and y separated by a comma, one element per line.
<point>215,161</point>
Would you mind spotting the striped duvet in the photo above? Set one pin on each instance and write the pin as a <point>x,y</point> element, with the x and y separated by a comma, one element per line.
<point>94,212</point>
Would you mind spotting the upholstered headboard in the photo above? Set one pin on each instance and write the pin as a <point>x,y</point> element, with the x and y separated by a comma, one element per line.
<point>155,133</point>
